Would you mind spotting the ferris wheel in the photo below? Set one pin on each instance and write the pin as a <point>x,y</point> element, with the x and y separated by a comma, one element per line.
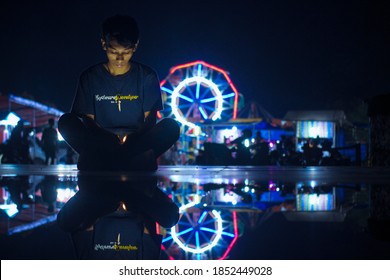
<point>203,233</point>
<point>198,92</point>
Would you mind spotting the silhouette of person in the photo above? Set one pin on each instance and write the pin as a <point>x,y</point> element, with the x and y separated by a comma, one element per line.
<point>25,156</point>
<point>18,147</point>
<point>243,156</point>
<point>261,148</point>
<point>192,151</point>
<point>50,143</point>
<point>17,133</point>
<point>311,152</point>
<point>70,156</point>
<point>112,123</point>
<point>116,219</point>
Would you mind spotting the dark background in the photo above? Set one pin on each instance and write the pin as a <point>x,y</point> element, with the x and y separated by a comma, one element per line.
<point>285,55</point>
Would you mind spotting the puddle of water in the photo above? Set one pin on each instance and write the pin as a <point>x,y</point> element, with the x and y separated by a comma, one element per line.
<point>222,217</point>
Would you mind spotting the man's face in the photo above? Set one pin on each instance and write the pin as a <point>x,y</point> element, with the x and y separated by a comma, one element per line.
<point>118,56</point>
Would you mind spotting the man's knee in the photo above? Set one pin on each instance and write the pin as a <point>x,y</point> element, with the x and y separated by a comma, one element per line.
<point>171,127</point>
<point>68,120</point>
<point>72,130</point>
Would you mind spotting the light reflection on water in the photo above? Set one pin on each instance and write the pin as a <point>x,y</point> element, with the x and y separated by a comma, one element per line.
<point>225,217</point>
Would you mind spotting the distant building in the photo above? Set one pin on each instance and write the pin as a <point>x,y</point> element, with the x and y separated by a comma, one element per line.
<point>322,124</point>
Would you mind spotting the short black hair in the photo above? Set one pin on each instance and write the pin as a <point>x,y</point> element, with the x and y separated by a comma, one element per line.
<point>122,28</point>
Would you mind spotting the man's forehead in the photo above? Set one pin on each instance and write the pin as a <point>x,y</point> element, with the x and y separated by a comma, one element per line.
<point>119,48</point>
<point>116,46</point>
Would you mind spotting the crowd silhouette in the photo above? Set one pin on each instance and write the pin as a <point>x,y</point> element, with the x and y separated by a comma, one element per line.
<point>244,150</point>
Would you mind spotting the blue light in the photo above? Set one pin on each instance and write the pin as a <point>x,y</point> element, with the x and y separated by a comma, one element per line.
<point>185,98</point>
<point>197,90</point>
<point>228,95</point>
<point>203,113</point>
<point>184,231</point>
<point>208,229</point>
<point>208,99</point>
<point>228,234</point>
<point>199,69</point>
<point>167,90</point>
<point>197,240</point>
<point>202,217</point>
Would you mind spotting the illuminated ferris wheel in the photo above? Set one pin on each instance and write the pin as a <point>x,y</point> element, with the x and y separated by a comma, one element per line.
<point>202,234</point>
<point>198,92</point>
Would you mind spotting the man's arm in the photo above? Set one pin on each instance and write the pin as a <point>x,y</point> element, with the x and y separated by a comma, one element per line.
<point>89,120</point>
<point>150,121</point>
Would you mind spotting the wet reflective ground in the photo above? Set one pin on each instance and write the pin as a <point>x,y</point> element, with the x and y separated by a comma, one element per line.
<point>226,212</point>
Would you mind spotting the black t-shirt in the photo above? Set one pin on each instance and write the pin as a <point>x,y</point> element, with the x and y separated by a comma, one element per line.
<point>118,102</point>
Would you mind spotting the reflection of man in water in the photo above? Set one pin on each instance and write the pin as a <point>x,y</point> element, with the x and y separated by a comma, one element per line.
<point>112,219</point>
<point>49,143</point>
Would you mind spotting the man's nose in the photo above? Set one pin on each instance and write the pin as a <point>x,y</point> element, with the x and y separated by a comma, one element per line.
<point>119,57</point>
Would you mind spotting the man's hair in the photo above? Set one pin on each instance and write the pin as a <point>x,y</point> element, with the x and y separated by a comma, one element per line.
<point>122,28</point>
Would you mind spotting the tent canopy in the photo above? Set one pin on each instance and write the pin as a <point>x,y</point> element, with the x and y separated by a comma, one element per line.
<point>31,112</point>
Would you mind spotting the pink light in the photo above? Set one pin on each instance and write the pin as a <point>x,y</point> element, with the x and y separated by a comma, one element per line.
<point>234,213</point>
<point>169,256</point>
<point>157,228</point>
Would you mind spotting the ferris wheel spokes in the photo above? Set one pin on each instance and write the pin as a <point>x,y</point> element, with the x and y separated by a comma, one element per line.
<point>207,87</point>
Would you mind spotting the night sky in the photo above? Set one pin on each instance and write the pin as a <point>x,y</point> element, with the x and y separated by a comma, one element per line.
<point>285,55</point>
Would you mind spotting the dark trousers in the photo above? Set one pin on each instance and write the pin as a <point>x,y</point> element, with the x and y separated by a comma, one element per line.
<point>100,149</point>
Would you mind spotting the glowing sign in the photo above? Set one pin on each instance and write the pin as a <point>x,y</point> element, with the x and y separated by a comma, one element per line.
<point>315,202</point>
<point>312,129</point>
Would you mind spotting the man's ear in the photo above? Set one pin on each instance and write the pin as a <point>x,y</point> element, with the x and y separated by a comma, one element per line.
<point>136,46</point>
<point>104,45</point>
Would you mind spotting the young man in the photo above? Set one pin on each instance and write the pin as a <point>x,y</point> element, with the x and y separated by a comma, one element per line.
<point>112,124</point>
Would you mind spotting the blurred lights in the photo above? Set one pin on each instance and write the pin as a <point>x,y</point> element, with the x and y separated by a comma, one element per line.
<point>10,209</point>
<point>63,195</point>
<point>11,119</point>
